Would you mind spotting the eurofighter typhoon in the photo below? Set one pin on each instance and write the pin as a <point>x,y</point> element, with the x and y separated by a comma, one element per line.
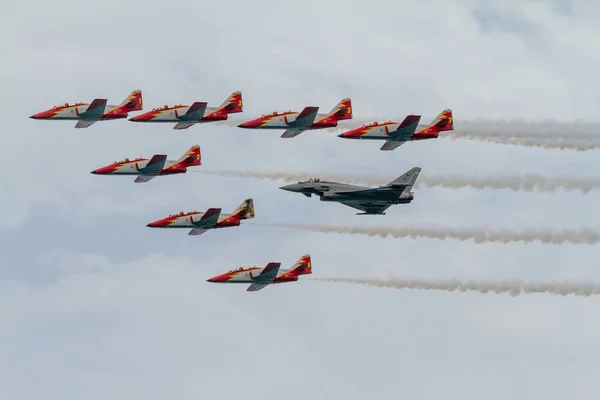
<point>372,201</point>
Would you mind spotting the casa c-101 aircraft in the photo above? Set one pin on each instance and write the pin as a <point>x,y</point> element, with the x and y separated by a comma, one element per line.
<point>397,133</point>
<point>259,278</point>
<point>197,113</point>
<point>88,114</point>
<point>147,169</point>
<point>373,201</point>
<point>295,122</point>
<point>201,222</point>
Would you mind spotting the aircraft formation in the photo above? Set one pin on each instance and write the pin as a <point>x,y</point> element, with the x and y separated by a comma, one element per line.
<point>369,200</point>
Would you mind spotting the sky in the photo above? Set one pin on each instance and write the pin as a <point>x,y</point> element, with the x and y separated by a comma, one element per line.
<point>95,305</point>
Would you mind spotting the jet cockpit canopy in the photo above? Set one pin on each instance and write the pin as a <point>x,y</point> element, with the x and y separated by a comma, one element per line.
<point>161,108</point>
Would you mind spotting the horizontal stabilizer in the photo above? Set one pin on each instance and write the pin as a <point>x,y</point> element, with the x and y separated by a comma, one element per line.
<point>95,110</point>
<point>290,133</point>
<point>268,273</point>
<point>155,165</point>
<point>407,128</point>
<point>306,118</point>
<point>209,219</point>
<point>195,112</point>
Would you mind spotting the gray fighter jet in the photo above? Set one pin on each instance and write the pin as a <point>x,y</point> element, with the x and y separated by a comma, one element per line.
<point>373,201</point>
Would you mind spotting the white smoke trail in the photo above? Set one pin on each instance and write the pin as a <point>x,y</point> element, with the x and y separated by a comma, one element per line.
<point>558,143</point>
<point>477,234</point>
<point>514,288</point>
<point>525,183</point>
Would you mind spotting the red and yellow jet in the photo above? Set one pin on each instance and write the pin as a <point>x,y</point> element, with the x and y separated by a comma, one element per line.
<point>197,113</point>
<point>97,110</point>
<point>259,278</point>
<point>398,133</point>
<point>158,165</point>
<point>295,122</point>
<point>201,222</point>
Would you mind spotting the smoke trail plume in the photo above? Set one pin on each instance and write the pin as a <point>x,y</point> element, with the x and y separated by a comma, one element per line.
<point>477,234</point>
<point>558,143</point>
<point>525,183</point>
<point>514,288</point>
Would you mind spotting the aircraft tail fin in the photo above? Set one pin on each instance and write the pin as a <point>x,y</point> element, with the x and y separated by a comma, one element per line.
<point>192,157</point>
<point>233,104</point>
<point>343,110</point>
<point>133,102</point>
<point>443,122</point>
<point>303,266</point>
<point>245,210</point>
<point>406,181</point>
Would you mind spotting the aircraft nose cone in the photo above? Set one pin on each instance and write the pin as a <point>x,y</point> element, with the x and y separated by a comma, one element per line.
<point>209,280</point>
<point>93,172</point>
<point>294,187</point>
<point>32,117</point>
<point>341,135</point>
<point>150,225</point>
<point>242,125</point>
<point>132,119</point>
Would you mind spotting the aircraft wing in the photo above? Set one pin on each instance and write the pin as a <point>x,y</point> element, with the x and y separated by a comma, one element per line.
<point>269,273</point>
<point>367,207</point>
<point>209,219</point>
<point>95,110</point>
<point>195,112</point>
<point>84,123</point>
<point>197,231</point>
<point>305,118</point>
<point>406,128</point>
<point>183,125</point>
<point>144,178</point>
<point>255,287</point>
<point>392,144</point>
<point>290,133</point>
<point>155,164</point>
<point>379,193</point>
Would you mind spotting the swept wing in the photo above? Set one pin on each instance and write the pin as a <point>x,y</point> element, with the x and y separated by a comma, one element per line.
<point>144,178</point>
<point>95,110</point>
<point>155,165</point>
<point>255,287</point>
<point>183,125</point>
<point>403,134</point>
<point>85,123</point>
<point>195,112</point>
<point>367,207</point>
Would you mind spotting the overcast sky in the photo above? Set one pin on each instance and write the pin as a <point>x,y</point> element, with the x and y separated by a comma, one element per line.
<point>94,305</point>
